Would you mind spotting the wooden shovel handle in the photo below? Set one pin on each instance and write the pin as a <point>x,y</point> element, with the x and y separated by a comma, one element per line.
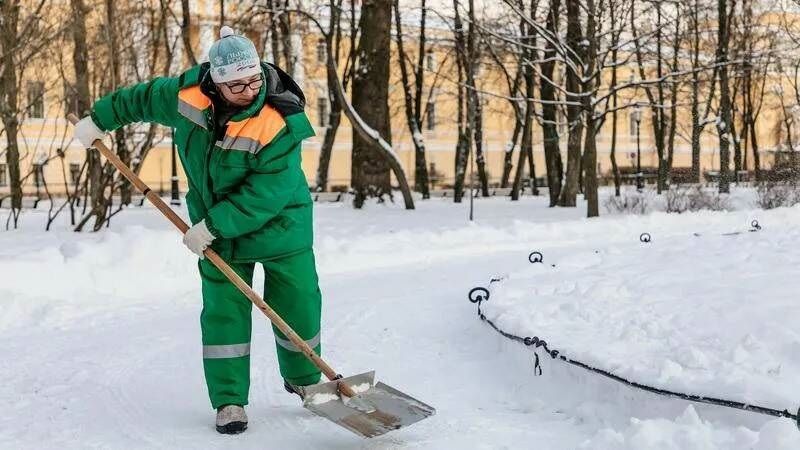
<point>220,264</point>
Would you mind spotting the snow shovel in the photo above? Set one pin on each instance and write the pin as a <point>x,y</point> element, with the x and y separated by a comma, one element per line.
<point>357,403</point>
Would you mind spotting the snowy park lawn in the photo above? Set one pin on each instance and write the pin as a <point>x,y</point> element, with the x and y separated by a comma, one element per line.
<point>101,348</point>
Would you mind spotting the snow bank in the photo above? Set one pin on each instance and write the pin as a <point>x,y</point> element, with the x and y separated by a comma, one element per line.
<point>712,315</point>
<point>101,328</point>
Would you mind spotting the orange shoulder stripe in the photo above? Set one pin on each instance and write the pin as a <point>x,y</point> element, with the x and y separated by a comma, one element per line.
<point>194,97</point>
<point>262,128</point>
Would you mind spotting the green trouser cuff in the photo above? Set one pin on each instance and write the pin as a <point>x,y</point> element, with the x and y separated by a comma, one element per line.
<point>306,380</point>
<point>228,380</point>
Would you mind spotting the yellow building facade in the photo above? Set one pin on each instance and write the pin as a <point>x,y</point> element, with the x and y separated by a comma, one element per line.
<point>44,132</point>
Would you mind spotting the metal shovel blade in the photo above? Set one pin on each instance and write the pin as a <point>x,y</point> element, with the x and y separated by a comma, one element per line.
<point>377,409</point>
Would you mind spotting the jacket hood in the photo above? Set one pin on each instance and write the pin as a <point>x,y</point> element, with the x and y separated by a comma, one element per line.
<point>283,93</point>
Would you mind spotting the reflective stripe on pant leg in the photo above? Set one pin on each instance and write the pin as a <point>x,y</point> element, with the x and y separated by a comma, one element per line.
<point>292,290</point>
<point>226,351</point>
<point>289,345</point>
<point>225,323</point>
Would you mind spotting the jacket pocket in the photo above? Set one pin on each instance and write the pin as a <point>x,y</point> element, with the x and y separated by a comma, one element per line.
<point>290,232</point>
<point>230,169</point>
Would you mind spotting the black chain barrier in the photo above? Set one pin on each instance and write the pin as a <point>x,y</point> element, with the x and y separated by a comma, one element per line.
<point>754,227</point>
<point>535,257</point>
<point>480,294</point>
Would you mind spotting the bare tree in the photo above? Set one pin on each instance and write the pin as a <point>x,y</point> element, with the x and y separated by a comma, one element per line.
<point>574,57</point>
<point>24,35</point>
<point>528,56</point>
<point>413,97</point>
<point>698,123</point>
<point>470,121</point>
<point>333,40</point>
<point>725,121</point>
<point>369,171</point>
<point>147,54</point>
<point>186,14</point>
<point>550,141</point>
<point>615,37</point>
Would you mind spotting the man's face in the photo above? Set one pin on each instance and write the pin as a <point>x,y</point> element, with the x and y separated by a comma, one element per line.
<point>241,92</point>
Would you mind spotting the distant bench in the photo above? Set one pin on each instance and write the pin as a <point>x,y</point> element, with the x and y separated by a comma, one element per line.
<point>33,202</point>
<point>493,192</point>
<point>330,197</point>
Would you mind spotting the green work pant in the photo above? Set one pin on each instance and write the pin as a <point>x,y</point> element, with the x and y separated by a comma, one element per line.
<point>290,288</point>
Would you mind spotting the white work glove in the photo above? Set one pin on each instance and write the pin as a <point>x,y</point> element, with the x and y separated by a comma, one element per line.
<point>198,238</point>
<point>86,131</point>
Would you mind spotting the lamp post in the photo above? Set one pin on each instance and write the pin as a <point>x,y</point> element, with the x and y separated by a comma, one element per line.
<point>637,117</point>
<point>175,199</point>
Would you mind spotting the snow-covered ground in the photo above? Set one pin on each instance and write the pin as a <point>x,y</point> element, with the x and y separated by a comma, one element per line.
<point>100,332</point>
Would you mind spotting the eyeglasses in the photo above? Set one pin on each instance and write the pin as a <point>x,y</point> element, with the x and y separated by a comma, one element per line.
<point>238,88</point>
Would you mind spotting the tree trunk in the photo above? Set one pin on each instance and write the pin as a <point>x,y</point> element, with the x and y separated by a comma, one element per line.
<point>509,154</point>
<point>9,108</point>
<point>412,103</point>
<point>550,141</point>
<point>659,121</point>
<point>724,125</point>
<point>335,114</point>
<point>480,160</point>
<point>421,177</point>
<point>464,143</point>
<point>370,176</point>
<point>80,59</point>
<point>526,147</point>
<point>696,130</point>
<point>614,53</point>
<point>523,153</point>
<point>590,145</point>
<point>334,120</point>
<point>574,110</point>
<point>185,32</point>
<point>673,101</point>
<point>475,109</point>
<point>119,134</point>
<point>590,166</point>
<point>614,165</point>
<point>285,26</point>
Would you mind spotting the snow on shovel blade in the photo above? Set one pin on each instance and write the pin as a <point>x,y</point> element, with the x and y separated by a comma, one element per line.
<point>376,409</point>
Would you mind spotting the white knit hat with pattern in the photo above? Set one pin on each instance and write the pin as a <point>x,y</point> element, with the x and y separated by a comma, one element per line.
<point>233,57</point>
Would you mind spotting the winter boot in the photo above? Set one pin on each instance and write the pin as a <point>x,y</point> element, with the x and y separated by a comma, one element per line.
<point>294,389</point>
<point>231,419</point>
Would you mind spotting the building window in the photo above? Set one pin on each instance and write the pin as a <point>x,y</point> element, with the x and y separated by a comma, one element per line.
<point>477,70</point>
<point>74,173</point>
<point>322,51</point>
<point>38,175</point>
<point>36,99</point>
<point>322,111</point>
<point>430,115</point>
<point>71,100</point>
<point>430,60</point>
<point>3,179</point>
<point>633,126</point>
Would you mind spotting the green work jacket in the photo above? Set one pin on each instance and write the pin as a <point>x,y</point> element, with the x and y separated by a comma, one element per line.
<point>245,177</point>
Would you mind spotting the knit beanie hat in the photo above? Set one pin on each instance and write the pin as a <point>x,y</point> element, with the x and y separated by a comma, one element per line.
<point>233,57</point>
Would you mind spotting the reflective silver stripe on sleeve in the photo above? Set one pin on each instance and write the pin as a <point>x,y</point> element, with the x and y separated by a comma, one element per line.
<point>192,113</point>
<point>288,345</point>
<point>240,143</point>
<point>226,351</point>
